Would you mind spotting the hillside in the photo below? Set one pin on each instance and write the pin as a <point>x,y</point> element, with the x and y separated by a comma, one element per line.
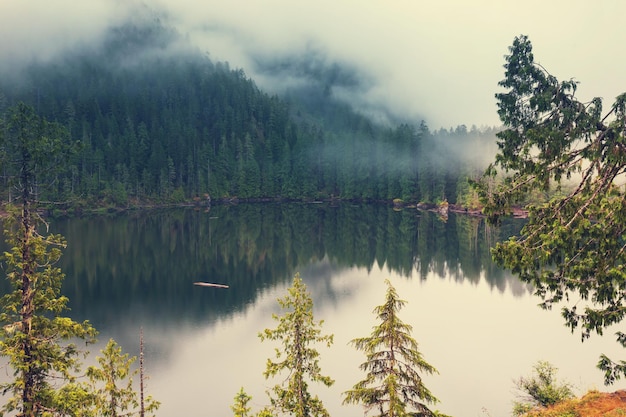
<point>158,120</point>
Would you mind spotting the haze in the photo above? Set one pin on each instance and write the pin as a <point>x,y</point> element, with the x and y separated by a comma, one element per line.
<point>409,59</point>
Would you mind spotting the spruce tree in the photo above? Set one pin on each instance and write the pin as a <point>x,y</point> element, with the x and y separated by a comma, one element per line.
<point>393,385</point>
<point>297,331</point>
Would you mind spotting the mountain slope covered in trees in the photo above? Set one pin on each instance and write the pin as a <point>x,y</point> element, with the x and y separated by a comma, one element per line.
<point>158,120</point>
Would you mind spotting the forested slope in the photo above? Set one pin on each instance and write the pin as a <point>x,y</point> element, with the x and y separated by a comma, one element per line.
<point>158,120</point>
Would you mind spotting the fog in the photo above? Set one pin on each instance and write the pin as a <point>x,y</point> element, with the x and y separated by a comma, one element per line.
<point>438,61</point>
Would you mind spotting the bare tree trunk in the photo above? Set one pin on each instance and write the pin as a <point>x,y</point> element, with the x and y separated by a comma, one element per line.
<point>141,402</point>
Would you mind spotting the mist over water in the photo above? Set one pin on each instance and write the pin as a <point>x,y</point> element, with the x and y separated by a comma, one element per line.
<point>395,64</point>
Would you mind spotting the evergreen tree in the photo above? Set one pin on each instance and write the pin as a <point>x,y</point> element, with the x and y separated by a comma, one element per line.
<point>240,407</point>
<point>551,137</point>
<point>147,129</point>
<point>35,338</point>
<point>297,331</point>
<point>112,400</point>
<point>393,385</point>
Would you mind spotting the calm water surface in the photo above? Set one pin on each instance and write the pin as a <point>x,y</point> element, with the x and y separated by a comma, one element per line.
<point>475,323</point>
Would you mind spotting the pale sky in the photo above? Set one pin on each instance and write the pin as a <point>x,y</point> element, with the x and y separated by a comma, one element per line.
<point>437,60</point>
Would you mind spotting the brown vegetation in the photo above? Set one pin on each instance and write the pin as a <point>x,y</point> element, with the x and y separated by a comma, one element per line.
<point>592,404</point>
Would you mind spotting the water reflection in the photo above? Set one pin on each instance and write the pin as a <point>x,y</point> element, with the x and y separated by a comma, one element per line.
<point>149,260</point>
<point>478,325</point>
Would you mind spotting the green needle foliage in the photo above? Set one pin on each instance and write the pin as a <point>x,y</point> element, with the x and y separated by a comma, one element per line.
<point>240,407</point>
<point>35,338</point>
<point>297,331</point>
<point>393,385</point>
<point>572,250</point>
<point>111,399</point>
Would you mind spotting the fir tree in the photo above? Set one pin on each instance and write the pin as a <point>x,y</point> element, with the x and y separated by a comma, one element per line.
<point>393,384</point>
<point>297,331</point>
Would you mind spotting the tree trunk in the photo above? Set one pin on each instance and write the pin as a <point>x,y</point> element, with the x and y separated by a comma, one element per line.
<point>28,291</point>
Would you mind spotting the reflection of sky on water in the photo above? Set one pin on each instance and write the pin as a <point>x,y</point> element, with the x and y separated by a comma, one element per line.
<point>479,338</point>
<point>479,326</point>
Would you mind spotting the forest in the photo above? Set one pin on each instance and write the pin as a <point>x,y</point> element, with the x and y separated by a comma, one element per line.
<point>148,125</point>
<point>133,123</point>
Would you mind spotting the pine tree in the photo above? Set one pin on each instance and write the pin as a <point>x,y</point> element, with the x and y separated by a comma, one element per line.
<point>297,331</point>
<point>393,384</point>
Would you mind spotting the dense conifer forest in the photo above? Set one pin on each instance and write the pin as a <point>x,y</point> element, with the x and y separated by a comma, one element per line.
<point>157,126</point>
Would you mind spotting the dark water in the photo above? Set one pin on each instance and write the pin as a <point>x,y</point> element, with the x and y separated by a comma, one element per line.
<point>144,263</point>
<point>475,323</point>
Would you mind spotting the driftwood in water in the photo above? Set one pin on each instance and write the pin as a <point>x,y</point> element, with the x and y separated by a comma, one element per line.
<point>209,284</point>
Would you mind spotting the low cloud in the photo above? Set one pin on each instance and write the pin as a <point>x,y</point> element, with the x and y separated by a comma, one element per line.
<point>440,61</point>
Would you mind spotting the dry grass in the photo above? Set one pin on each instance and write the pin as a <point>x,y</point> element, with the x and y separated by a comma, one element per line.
<point>592,404</point>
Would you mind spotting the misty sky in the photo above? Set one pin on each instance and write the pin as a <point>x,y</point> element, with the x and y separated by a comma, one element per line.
<point>437,60</point>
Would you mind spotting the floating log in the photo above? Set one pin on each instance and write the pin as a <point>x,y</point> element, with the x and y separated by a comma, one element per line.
<point>210,284</point>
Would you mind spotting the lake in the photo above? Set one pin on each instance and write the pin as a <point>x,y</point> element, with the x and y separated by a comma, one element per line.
<point>478,325</point>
